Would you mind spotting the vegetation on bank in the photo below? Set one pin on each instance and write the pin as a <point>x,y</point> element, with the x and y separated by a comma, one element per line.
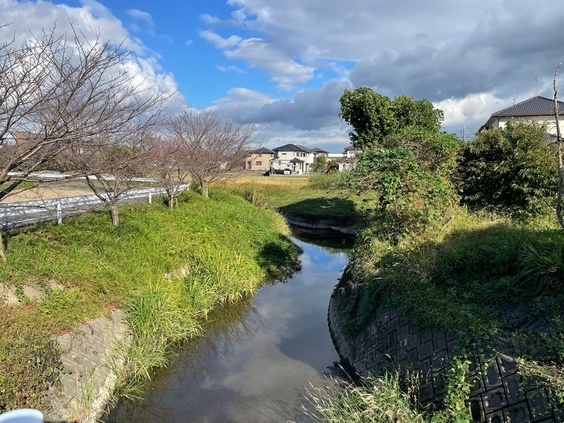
<point>462,237</point>
<point>313,198</point>
<point>167,268</point>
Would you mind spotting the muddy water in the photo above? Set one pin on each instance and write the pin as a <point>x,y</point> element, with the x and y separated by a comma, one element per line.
<point>257,356</point>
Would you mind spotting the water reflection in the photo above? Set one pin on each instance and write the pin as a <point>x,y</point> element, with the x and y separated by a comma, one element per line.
<point>256,357</point>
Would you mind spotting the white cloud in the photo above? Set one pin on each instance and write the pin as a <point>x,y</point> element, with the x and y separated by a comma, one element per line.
<point>144,21</point>
<point>310,119</point>
<point>468,57</point>
<point>229,69</point>
<point>92,20</point>
<point>284,70</point>
<point>220,42</point>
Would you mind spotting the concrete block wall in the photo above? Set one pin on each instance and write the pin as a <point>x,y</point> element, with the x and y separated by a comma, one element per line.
<point>499,393</point>
<point>88,377</point>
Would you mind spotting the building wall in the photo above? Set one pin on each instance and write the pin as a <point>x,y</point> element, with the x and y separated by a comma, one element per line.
<point>282,160</point>
<point>258,162</point>
<point>501,122</point>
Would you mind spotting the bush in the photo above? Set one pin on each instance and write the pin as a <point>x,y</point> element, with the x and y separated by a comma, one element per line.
<point>511,170</point>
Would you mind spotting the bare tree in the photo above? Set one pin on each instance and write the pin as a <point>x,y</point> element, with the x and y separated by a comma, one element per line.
<point>108,165</point>
<point>559,143</point>
<point>214,145</point>
<point>168,164</point>
<point>64,96</point>
<point>54,92</point>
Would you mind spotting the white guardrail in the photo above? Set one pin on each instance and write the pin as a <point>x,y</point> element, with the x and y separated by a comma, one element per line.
<point>24,213</point>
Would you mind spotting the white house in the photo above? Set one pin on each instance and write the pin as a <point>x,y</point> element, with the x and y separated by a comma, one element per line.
<point>349,157</point>
<point>536,109</point>
<point>296,158</point>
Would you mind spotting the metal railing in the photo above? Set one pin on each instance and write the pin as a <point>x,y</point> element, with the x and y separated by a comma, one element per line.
<point>23,213</point>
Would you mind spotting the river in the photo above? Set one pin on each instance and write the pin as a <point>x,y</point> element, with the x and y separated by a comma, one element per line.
<point>257,356</point>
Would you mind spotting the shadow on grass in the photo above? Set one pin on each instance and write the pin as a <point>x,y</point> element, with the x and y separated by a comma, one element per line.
<point>279,259</point>
<point>336,210</point>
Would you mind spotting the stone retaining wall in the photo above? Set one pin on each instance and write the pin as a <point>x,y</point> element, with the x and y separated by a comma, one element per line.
<point>499,393</point>
<point>89,360</point>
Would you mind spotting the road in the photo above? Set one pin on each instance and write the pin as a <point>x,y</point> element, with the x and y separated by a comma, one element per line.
<point>24,213</point>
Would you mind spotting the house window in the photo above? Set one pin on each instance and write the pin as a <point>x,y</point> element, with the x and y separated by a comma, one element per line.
<point>258,163</point>
<point>260,155</point>
<point>283,154</point>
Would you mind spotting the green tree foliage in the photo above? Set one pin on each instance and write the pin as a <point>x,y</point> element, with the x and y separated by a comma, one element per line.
<point>406,161</point>
<point>511,170</point>
<point>319,164</point>
<point>369,113</point>
<point>375,117</point>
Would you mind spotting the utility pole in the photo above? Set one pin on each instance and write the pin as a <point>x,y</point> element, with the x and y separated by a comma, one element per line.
<point>463,132</point>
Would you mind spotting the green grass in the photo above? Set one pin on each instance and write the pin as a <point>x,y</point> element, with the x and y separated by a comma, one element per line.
<point>168,269</point>
<point>484,278</point>
<point>378,400</point>
<point>466,279</point>
<point>389,398</point>
<point>313,198</point>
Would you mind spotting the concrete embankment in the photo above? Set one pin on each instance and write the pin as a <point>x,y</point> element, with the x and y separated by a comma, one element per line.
<point>90,361</point>
<point>499,392</point>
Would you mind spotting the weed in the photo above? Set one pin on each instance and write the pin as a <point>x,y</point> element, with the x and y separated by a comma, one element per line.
<point>378,399</point>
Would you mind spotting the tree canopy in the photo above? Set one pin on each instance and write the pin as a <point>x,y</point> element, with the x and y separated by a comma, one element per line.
<point>406,161</point>
<point>375,117</point>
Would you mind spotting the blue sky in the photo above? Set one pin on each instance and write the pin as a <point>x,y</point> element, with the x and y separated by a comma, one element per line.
<point>283,65</point>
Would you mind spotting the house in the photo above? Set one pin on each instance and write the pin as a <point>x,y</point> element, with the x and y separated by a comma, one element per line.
<point>535,109</point>
<point>296,158</point>
<point>259,159</point>
<point>318,152</point>
<point>349,158</point>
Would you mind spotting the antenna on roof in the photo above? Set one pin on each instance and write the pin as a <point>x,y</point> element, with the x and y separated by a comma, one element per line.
<point>536,85</point>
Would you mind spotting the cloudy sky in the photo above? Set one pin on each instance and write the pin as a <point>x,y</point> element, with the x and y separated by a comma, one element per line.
<point>283,65</point>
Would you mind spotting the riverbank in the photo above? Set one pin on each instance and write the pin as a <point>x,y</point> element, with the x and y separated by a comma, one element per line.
<point>489,286</point>
<point>474,311</point>
<point>165,269</point>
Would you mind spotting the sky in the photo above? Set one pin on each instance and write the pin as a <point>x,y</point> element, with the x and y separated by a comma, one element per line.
<point>283,65</point>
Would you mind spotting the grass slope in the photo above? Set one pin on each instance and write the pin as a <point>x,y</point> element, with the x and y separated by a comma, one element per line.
<point>167,268</point>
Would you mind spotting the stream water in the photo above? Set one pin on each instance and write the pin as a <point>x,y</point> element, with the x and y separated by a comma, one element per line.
<point>257,356</point>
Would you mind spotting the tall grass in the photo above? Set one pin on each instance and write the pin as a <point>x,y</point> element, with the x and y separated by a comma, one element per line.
<point>167,269</point>
<point>378,400</point>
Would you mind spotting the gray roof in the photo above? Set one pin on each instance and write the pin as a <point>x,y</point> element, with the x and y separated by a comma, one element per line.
<point>263,150</point>
<point>319,150</point>
<point>293,147</point>
<point>534,106</point>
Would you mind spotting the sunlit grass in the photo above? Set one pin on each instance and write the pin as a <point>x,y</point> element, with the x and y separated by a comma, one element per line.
<point>167,269</point>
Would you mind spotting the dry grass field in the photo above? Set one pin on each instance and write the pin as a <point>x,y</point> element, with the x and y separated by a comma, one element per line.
<point>240,179</point>
<point>249,178</point>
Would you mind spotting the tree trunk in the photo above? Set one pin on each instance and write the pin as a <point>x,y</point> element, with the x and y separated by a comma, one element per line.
<point>2,255</point>
<point>114,210</point>
<point>204,187</point>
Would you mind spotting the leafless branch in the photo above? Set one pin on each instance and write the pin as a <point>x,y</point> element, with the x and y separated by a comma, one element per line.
<point>559,142</point>
<point>214,144</point>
